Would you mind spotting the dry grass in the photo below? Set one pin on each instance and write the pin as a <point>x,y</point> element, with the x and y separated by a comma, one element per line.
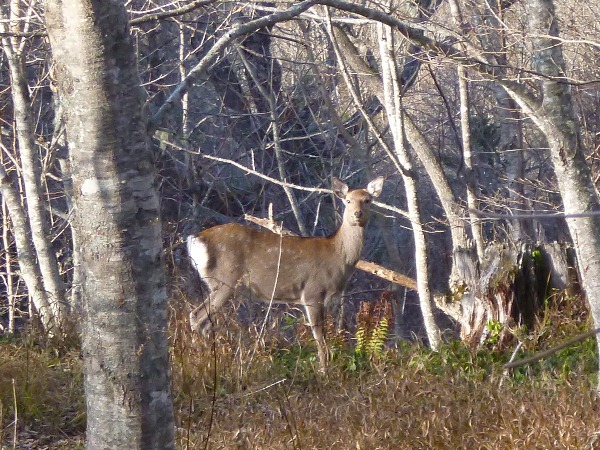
<point>409,398</point>
<point>44,393</point>
<point>231,393</point>
<point>384,410</point>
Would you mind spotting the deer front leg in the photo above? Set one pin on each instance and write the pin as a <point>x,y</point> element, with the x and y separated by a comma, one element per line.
<point>200,320</point>
<point>315,313</point>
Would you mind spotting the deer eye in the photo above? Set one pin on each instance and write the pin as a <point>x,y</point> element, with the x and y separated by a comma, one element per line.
<point>348,201</point>
<point>367,200</point>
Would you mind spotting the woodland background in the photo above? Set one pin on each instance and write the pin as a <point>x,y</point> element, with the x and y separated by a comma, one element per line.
<point>483,119</point>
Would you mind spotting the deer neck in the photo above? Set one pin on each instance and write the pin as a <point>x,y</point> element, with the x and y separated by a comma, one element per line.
<point>348,242</point>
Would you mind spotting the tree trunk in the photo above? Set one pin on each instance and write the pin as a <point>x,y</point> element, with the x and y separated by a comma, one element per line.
<point>557,120</point>
<point>466,260</point>
<point>117,223</point>
<point>8,272</point>
<point>32,173</point>
<point>392,96</point>
<point>30,270</point>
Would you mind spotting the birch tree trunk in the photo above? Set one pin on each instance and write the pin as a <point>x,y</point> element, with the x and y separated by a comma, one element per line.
<point>556,118</point>
<point>392,96</point>
<point>464,279</point>
<point>30,270</point>
<point>117,223</point>
<point>31,174</point>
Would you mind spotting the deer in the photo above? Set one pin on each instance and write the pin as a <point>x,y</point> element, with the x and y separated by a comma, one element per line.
<point>306,271</point>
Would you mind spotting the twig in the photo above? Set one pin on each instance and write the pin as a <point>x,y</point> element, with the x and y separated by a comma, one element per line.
<point>545,353</point>
<point>172,12</point>
<point>291,423</point>
<point>264,388</point>
<point>213,403</point>
<point>271,300</point>
<point>559,215</point>
<point>512,358</point>
<point>209,58</point>
<point>274,180</point>
<point>274,126</point>
<point>16,420</point>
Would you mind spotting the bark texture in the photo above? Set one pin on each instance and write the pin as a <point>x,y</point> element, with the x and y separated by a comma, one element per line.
<point>392,97</point>
<point>39,224</point>
<point>556,118</point>
<point>30,270</point>
<point>117,224</point>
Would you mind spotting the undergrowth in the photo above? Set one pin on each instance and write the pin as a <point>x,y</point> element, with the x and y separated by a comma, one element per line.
<point>41,395</point>
<point>241,389</point>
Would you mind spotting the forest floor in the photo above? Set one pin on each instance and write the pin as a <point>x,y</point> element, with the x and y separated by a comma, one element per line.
<point>242,392</point>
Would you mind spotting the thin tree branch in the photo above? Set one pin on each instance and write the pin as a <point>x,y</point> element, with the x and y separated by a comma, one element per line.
<point>274,180</point>
<point>550,351</point>
<point>546,216</point>
<point>171,13</point>
<point>215,51</point>
<point>268,96</point>
<point>471,57</point>
<point>364,265</point>
<point>356,97</point>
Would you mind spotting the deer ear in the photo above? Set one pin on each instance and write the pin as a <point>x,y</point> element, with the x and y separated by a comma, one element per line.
<point>374,188</point>
<point>340,188</point>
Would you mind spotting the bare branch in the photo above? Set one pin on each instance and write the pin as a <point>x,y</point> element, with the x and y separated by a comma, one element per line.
<point>545,216</point>
<point>470,57</point>
<point>172,13</point>
<point>215,51</point>
<point>276,181</point>
<point>550,351</point>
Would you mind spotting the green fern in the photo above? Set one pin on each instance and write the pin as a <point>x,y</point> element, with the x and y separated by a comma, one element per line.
<point>361,340</point>
<point>372,326</point>
<point>378,338</point>
<point>371,342</point>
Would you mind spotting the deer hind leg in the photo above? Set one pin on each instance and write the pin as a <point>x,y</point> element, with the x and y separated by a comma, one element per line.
<point>200,317</point>
<point>334,305</point>
<point>316,318</point>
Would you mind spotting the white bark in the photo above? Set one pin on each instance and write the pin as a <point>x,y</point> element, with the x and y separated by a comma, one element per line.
<point>467,148</point>
<point>8,272</point>
<point>30,271</point>
<point>392,96</point>
<point>31,176</point>
<point>556,118</point>
<point>117,223</point>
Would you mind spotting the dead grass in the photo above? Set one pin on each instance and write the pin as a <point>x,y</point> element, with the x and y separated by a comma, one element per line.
<point>388,411</point>
<point>392,405</point>
<point>409,398</point>
<point>231,393</point>
<point>43,393</point>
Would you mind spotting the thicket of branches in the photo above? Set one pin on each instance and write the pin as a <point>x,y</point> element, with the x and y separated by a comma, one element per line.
<point>483,118</point>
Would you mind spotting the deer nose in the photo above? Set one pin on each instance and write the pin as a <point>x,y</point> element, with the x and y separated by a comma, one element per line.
<point>358,214</point>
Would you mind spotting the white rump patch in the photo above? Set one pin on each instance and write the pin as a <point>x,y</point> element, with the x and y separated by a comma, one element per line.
<point>198,253</point>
